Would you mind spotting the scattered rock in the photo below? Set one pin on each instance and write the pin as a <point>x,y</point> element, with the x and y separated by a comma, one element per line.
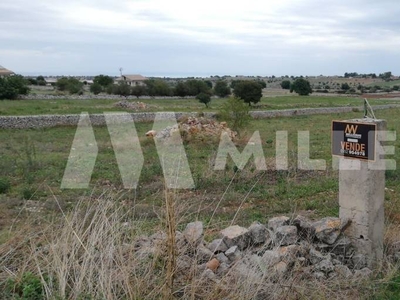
<point>217,246</point>
<point>270,258</point>
<point>209,274</point>
<point>327,230</point>
<point>151,133</point>
<point>324,266</point>
<point>363,273</point>
<point>304,226</point>
<point>236,236</point>
<point>276,222</point>
<point>233,253</point>
<point>286,235</point>
<point>222,258</point>
<point>193,233</point>
<point>203,254</point>
<point>213,264</point>
<point>259,233</point>
<point>280,268</point>
<point>359,261</point>
<point>131,105</point>
<point>343,271</point>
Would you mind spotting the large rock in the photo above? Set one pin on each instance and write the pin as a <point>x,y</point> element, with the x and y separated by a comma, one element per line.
<point>327,230</point>
<point>271,258</point>
<point>217,245</point>
<point>276,222</point>
<point>359,261</point>
<point>193,233</point>
<point>325,266</point>
<point>343,271</point>
<point>286,235</point>
<point>233,253</point>
<point>304,226</point>
<point>236,236</point>
<point>203,254</point>
<point>259,233</point>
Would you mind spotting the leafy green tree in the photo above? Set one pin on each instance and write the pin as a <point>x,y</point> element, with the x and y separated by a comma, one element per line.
<point>236,113</point>
<point>209,83</point>
<point>262,83</point>
<point>345,86</point>
<point>103,80</point>
<point>180,89</point>
<point>248,91</point>
<point>96,88</point>
<point>204,98</point>
<point>301,86</point>
<point>138,90</point>
<point>221,89</point>
<point>195,87</point>
<point>40,80</point>
<point>122,89</point>
<point>71,84</point>
<point>285,84</point>
<point>13,86</point>
<point>158,87</point>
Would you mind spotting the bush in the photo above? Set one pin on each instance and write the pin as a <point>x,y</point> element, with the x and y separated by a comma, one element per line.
<point>236,113</point>
<point>28,287</point>
<point>222,89</point>
<point>248,91</point>
<point>96,88</point>
<point>204,98</point>
<point>4,185</point>
<point>285,84</point>
<point>72,85</point>
<point>301,87</point>
<point>13,86</point>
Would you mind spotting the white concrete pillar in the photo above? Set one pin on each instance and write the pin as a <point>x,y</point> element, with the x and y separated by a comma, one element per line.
<point>361,197</point>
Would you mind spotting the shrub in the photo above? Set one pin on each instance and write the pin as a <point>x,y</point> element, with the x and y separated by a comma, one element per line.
<point>4,185</point>
<point>235,112</point>
<point>301,87</point>
<point>13,86</point>
<point>204,98</point>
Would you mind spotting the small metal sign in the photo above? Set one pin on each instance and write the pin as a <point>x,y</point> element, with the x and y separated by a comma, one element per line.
<point>354,140</point>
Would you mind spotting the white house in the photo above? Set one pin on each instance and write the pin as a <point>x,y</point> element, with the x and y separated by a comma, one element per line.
<point>132,80</point>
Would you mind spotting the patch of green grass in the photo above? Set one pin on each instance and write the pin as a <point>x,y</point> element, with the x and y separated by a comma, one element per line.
<point>92,106</point>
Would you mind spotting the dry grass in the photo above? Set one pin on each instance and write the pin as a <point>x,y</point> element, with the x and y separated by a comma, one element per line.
<point>93,252</point>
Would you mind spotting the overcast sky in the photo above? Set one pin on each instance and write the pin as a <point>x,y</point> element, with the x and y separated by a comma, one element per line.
<point>200,38</point>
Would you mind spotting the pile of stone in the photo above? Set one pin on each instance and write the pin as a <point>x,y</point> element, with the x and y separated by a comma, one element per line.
<point>284,247</point>
<point>131,105</point>
<point>194,128</point>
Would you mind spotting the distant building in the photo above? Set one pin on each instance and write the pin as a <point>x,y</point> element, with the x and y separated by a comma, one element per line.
<point>5,72</point>
<point>132,80</point>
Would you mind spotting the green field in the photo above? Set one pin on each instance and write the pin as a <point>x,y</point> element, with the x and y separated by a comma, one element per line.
<point>36,107</point>
<point>33,162</point>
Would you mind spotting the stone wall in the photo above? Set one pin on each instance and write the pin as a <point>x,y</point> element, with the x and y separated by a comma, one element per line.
<point>46,121</point>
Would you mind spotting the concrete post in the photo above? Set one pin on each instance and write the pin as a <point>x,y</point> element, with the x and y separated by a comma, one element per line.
<point>361,197</point>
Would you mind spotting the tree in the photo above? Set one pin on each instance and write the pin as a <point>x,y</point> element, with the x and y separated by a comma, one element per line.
<point>13,86</point>
<point>204,98</point>
<point>40,80</point>
<point>345,86</point>
<point>285,84</point>
<point>122,89</point>
<point>96,88</point>
<point>262,83</point>
<point>138,90</point>
<point>221,89</point>
<point>301,86</point>
<point>158,87</point>
<point>248,91</point>
<point>180,89</point>
<point>72,85</point>
<point>235,112</point>
<point>103,80</point>
<point>195,87</point>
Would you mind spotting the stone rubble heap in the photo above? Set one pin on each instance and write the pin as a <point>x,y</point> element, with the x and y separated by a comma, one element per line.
<point>193,127</point>
<point>131,105</point>
<point>299,246</point>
